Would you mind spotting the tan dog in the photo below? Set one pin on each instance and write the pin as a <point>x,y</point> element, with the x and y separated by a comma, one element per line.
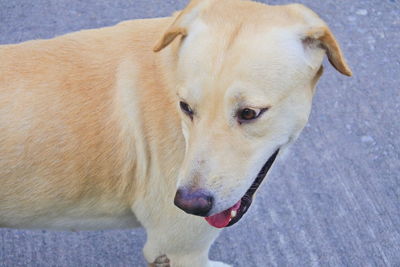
<point>98,131</point>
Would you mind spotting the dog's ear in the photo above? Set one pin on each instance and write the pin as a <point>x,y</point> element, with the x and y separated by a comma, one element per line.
<point>323,38</point>
<point>181,23</point>
<point>316,34</point>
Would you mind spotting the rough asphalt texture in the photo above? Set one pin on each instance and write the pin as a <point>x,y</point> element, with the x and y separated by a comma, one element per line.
<point>334,200</point>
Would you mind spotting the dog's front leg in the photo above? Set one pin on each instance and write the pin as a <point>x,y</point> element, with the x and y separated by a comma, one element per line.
<point>161,261</point>
<point>184,239</point>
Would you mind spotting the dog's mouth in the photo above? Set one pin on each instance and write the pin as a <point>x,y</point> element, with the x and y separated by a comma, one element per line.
<point>232,215</point>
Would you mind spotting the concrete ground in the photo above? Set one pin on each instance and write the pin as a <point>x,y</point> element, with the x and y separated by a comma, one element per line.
<point>334,200</point>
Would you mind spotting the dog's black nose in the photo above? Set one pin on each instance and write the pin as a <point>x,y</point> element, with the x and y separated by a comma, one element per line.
<point>197,202</point>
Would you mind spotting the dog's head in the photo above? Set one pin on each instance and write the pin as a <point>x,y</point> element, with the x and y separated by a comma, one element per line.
<point>246,74</point>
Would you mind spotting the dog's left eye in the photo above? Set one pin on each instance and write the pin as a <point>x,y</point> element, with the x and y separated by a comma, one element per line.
<point>248,114</point>
<point>186,109</point>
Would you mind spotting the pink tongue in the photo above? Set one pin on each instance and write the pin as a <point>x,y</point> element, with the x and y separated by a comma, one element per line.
<point>222,219</point>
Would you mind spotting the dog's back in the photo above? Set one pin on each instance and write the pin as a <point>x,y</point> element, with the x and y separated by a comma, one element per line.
<point>60,125</point>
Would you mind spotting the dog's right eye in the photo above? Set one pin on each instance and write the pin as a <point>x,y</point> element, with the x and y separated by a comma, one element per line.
<point>186,109</point>
<point>249,114</point>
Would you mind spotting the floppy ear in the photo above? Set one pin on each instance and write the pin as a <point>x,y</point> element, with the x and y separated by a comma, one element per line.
<point>180,26</point>
<point>323,38</point>
<point>316,34</point>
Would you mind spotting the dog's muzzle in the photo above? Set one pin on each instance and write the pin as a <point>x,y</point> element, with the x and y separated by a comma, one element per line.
<point>232,215</point>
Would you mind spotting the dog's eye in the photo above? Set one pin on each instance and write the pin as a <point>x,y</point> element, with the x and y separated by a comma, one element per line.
<point>186,109</point>
<point>248,114</point>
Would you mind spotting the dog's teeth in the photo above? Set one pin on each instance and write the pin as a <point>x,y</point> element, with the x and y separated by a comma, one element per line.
<point>233,213</point>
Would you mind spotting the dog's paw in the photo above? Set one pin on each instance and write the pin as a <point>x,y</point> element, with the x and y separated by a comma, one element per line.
<point>161,261</point>
<point>218,264</point>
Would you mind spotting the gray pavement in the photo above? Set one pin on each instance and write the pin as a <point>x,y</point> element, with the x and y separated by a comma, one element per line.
<point>334,200</point>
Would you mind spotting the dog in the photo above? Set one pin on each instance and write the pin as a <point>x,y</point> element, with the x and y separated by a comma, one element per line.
<point>169,123</point>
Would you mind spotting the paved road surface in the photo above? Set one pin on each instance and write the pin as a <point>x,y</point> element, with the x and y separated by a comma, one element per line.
<point>334,201</point>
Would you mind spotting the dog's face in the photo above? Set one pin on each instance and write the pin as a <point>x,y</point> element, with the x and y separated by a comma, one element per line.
<point>245,87</point>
